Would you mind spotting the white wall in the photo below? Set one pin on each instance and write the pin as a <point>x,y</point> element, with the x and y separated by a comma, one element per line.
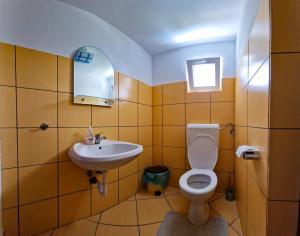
<point>171,66</point>
<point>250,9</point>
<point>55,27</point>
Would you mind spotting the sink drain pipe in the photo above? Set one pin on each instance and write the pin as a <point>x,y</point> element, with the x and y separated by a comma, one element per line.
<point>101,185</point>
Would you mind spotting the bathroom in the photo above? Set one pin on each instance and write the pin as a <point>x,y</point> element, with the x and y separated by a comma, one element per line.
<point>236,132</point>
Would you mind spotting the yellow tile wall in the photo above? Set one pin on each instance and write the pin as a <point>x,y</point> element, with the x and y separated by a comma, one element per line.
<point>173,109</point>
<point>267,116</point>
<point>42,188</point>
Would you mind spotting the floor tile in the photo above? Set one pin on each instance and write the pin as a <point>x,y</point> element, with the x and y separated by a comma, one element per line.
<point>121,214</point>
<point>226,209</point>
<point>152,210</point>
<point>236,225</point>
<point>143,194</point>
<point>94,218</point>
<point>179,203</point>
<point>171,190</point>
<point>232,232</point>
<point>109,230</point>
<point>149,230</point>
<point>78,228</point>
<point>132,198</point>
<point>48,233</point>
<point>215,197</point>
<point>212,213</point>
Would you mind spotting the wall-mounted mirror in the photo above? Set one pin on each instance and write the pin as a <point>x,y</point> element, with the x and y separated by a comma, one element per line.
<point>94,80</point>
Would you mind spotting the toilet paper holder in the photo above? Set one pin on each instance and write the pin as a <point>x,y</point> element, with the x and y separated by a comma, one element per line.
<point>248,152</point>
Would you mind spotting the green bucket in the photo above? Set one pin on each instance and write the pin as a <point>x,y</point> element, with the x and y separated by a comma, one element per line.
<point>156,179</point>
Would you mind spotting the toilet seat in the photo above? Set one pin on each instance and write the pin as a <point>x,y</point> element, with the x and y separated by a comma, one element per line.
<point>183,182</point>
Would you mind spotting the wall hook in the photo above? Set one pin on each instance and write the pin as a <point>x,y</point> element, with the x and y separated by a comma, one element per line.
<point>44,126</point>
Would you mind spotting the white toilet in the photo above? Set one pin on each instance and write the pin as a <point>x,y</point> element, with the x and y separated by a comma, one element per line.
<point>199,184</point>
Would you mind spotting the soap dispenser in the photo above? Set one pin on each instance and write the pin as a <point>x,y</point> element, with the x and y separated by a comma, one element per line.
<point>89,139</point>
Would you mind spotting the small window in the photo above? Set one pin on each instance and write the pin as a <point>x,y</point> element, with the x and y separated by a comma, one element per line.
<point>204,74</point>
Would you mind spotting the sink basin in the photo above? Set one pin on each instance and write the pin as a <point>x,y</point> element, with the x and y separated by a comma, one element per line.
<point>109,154</point>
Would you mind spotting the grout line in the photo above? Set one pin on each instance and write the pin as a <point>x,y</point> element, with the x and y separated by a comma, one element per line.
<point>98,222</point>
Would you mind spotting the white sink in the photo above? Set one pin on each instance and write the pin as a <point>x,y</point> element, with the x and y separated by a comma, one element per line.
<point>109,154</point>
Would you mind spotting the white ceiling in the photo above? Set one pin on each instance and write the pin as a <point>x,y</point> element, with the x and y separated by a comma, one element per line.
<point>163,25</point>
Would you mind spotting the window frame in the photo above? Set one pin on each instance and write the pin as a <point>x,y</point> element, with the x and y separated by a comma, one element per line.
<point>213,60</point>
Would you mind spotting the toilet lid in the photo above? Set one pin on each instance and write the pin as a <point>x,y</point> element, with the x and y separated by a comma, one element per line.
<point>203,152</point>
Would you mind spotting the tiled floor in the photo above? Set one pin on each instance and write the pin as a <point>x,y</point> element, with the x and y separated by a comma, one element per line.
<point>142,215</point>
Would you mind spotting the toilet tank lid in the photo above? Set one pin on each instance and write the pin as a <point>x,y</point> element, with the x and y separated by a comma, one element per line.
<point>206,126</point>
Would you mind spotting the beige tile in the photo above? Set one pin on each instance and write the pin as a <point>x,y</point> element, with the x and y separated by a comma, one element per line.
<point>152,210</point>
<point>144,194</point>
<point>149,230</point>
<point>43,104</point>
<point>47,233</point>
<point>174,114</point>
<point>108,132</point>
<point>232,232</point>
<point>226,209</point>
<point>215,197</point>
<point>174,93</point>
<point>179,203</point>
<point>111,176</point>
<point>128,187</point>
<point>33,189</point>
<point>72,115</point>
<point>226,139</point>
<point>10,221</point>
<point>157,155</point>
<point>157,95</point>
<point>32,65</point>
<point>242,108</point>
<point>78,228</point>
<point>258,98</point>
<point>128,88</point>
<point>38,217</point>
<point>65,74</point>
<point>9,188</point>
<point>8,139</point>
<point>109,230</point>
<point>7,106</point>
<point>197,97</point>
<point>284,162</point>
<point>144,115</point>
<point>260,38</point>
<point>95,218</point>
<point>7,64</point>
<point>122,214</point>
<point>225,161</point>
<point>174,157</point>
<point>66,138</point>
<point>174,177</point>
<point>157,135</point>
<point>242,71</point>
<point>258,169</point>
<point>145,158</point>
<point>145,94</point>
<point>227,92</point>
<point>282,218</point>
<point>71,178</point>
<point>103,202</point>
<point>74,206</point>
<point>128,134</point>
<point>285,29</point>
<point>127,113</point>
<point>171,190</point>
<point>284,101</point>
<point>145,135</point>
<point>236,225</point>
<point>141,184</point>
<point>129,168</point>
<point>174,136</point>
<point>222,113</point>
<point>157,115</point>
<point>105,116</point>
<point>198,113</point>
<point>257,208</point>
<point>32,154</point>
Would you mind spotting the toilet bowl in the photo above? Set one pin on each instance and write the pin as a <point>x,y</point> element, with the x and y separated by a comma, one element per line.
<point>199,183</point>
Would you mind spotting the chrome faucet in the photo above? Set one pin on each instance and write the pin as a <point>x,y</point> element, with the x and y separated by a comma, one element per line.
<point>98,138</point>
